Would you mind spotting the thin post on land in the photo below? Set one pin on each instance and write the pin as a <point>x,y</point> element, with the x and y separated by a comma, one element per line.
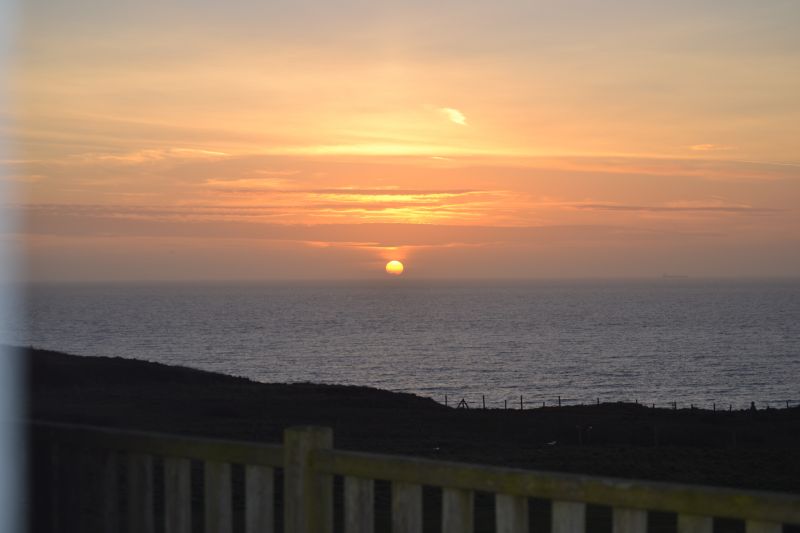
<point>559,401</point>
<point>483,399</point>
<point>520,402</point>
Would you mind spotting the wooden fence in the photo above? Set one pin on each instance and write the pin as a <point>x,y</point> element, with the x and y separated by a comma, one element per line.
<point>111,486</point>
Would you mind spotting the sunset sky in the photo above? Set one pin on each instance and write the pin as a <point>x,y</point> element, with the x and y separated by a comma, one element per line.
<point>309,139</point>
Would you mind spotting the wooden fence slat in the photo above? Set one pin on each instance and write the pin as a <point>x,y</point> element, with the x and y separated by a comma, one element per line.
<point>54,455</point>
<point>109,464</point>
<point>218,496</point>
<point>308,494</point>
<point>177,495</point>
<point>84,485</point>
<point>511,513</point>
<point>629,520</point>
<point>69,490</point>
<point>406,507</point>
<point>98,491</point>
<point>457,510</point>
<point>689,523</point>
<point>569,517</point>
<point>140,493</point>
<point>359,506</point>
<point>259,490</point>
<point>757,526</point>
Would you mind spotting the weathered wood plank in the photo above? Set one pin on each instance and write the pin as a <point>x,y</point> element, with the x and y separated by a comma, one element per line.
<point>83,492</point>
<point>140,493</point>
<point>636,494</point>
<point>259,488</point>
<point>406,507</point>
<point>629,520</point>
<point>98,491</point>
<point>177,495</point>
<point>511,513</point>
<point>359,506</point>
<point>458,511</point>
<point>569,517</point>
<point>308,494</point>
<point>689,523</point>
<point>756,526</point>
<point>218,496</point>
<point>110,486</point>
<point>69,489</point>
<point>54,456</point>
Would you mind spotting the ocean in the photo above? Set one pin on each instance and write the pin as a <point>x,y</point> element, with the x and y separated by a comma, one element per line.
<point>698,342</point>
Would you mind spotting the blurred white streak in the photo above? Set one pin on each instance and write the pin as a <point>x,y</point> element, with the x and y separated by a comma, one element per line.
<point>12,486</point>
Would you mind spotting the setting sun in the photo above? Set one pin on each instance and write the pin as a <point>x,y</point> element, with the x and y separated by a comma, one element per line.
<point>394,268</point>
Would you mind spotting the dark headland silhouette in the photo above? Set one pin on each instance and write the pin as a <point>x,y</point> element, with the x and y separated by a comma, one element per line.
<point>746,449</point>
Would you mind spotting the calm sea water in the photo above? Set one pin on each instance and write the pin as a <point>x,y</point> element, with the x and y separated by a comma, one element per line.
<point>668,340</point>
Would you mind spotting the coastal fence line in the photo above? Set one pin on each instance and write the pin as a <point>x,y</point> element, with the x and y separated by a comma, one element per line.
<point>87,465</point>
<point>520,403</point>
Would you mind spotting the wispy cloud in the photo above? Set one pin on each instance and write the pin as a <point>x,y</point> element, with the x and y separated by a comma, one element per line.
<point>679,207</point>
<point>149,155</point>
<point>454,115</point>
<point>709,147</point>
<point>121,221</point>
<point>246,184</point>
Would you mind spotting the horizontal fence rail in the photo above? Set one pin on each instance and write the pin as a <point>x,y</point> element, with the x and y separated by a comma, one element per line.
<point>648,495</point>
<point>160,444</point>
<point>105,480</point>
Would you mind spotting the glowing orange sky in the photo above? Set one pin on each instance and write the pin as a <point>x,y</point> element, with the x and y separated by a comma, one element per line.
<point>307,140</point>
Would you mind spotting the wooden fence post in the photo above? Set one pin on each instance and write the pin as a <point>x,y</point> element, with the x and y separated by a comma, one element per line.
<point>359,505</point>
<point>695,524</point>
<point>259,506</point>
<point>55,455</point>
<point>109,472</point>
<point>140,493</point>
<point>629,520</point>
<point>218,497</point>
<point>458,509</point>
<point>177,495</point>
<point>308,496</point>
<point>568,517</point>
<point>511,514</point>
<point>406,507</point>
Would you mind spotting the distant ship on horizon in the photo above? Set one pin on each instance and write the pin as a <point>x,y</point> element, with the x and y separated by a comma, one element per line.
<point>674,276</point>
